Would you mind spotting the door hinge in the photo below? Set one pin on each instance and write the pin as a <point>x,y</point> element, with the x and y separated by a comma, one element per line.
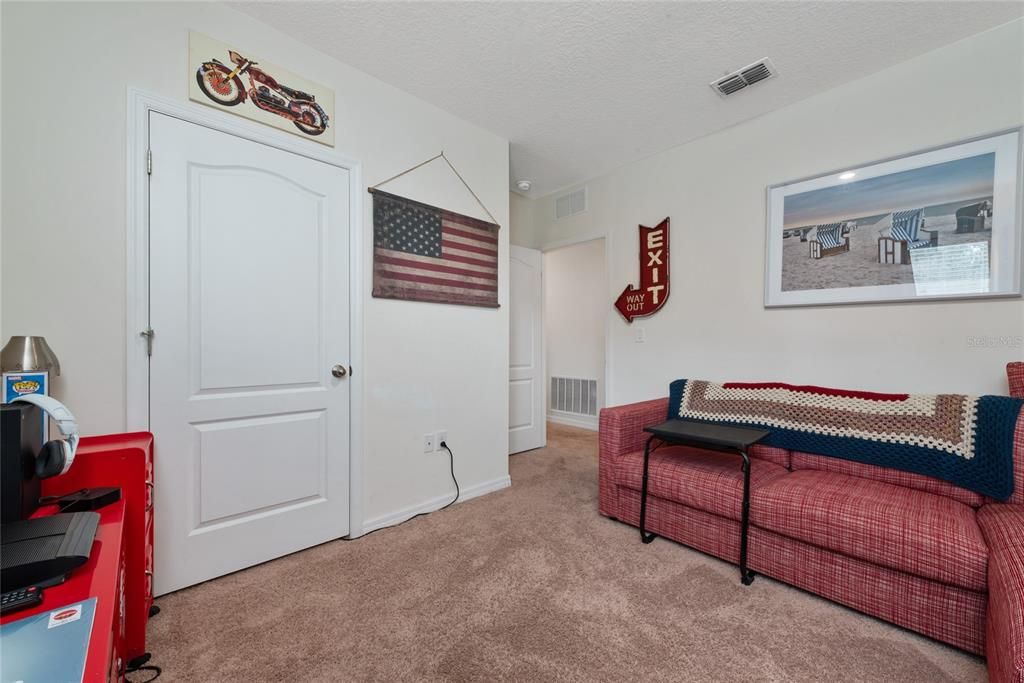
<point>149,162</point>
<point>148,333</point>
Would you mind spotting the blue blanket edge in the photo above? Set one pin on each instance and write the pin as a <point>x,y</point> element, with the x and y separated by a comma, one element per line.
<point>989,473</point>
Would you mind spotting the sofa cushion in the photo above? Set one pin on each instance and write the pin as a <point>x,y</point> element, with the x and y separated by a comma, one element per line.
<point>920,482</point>
<point>920,533</point>
<point>951,614</point>
<point>779,456</point>
<point>705,480</point>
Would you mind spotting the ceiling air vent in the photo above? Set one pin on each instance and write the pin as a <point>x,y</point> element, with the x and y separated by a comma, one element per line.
<point>571,204</point>
<point>741,78</point>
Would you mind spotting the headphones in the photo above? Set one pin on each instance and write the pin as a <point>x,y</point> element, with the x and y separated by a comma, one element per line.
<point>55,457</point>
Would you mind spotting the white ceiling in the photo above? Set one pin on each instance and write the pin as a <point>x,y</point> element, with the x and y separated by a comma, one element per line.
<point>580,88</point>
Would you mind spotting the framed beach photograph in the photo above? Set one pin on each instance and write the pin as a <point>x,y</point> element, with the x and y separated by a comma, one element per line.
<point>943,223</point>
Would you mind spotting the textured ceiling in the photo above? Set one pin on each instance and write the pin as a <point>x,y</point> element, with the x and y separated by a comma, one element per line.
<point>580,88</point>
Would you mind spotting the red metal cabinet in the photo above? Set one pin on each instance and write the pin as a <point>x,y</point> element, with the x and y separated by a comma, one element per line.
<point>124,460</point>
<point>104,577</point>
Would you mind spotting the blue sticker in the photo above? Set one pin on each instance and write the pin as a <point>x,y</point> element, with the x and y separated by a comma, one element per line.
<point>20,383</point>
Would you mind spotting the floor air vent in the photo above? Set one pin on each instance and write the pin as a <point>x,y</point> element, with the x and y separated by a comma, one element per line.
<point>742,78</point>
<point>574,395</point>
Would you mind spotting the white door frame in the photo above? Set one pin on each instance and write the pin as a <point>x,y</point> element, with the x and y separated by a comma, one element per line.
<point>140,104</point>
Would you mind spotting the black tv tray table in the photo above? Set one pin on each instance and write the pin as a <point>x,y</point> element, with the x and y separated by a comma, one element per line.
<point>713,437</point>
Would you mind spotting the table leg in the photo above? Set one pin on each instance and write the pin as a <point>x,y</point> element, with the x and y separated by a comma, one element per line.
<point>644,536</point>
<point>746,576</point>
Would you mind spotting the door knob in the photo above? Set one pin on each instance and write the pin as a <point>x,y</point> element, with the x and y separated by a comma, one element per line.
<point>339,371</point>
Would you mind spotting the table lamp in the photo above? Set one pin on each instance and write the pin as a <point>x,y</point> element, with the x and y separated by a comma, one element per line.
<point>28,354</point>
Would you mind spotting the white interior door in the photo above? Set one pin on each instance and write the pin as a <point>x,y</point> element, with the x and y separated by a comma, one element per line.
<point>249,306</point>
<point>526,411</point>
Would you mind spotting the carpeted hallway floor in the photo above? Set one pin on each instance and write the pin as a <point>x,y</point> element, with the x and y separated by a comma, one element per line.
<point>528,584</point>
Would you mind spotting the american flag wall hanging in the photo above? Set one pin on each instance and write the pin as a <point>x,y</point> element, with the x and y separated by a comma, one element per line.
<point>423,253</point>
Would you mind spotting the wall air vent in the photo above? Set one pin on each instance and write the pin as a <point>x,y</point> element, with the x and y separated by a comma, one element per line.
<point>571,204</point>
<point>747,76</point>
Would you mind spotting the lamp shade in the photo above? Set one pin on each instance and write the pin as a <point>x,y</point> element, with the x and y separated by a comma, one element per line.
<point>28,354</point>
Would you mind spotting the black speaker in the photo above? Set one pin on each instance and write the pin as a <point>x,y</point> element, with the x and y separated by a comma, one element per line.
<point>21,437</point>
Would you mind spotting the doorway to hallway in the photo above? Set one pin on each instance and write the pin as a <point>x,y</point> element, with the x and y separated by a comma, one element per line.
<point>576,308</point>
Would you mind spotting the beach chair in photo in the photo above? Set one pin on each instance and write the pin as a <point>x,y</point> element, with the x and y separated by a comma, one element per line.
<point>904,237</point>
<point>971,218</point>
<point>830,239</point>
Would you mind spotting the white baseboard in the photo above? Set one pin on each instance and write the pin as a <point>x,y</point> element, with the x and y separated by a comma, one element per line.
<point>572,420</point>
<point>466,493</point>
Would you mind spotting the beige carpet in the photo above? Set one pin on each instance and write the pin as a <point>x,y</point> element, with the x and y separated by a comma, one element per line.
<point>527,584</point>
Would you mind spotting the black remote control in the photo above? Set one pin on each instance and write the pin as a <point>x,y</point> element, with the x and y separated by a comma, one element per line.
<point>20,598</point>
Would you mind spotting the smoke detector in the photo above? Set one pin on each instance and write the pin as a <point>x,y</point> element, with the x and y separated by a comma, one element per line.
<point>524,185</point>
<point>733,82</point>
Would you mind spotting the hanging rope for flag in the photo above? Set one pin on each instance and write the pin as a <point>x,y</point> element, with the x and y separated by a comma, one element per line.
<point>454,170</point>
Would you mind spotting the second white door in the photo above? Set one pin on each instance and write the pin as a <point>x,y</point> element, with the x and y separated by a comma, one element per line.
<point>249,396</point>
<point>527,428</point>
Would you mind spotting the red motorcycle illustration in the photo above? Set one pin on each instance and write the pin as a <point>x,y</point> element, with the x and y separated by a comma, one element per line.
<point>223,86</point>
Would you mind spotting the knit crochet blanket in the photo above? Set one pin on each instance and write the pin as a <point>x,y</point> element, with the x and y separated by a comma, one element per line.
<point>965,440</point>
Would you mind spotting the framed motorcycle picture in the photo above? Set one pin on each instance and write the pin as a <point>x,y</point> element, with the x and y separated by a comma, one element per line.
<point>235,81</point>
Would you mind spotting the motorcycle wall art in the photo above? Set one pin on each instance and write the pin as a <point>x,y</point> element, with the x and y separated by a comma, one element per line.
<point>228,79</point>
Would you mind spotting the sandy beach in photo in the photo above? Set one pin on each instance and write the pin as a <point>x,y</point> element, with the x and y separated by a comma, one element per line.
<point>859,267</point>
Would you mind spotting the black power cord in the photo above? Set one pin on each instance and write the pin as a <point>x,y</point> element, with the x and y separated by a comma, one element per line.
<point>458,492</point>
<point>141,663</point>
<point>451,465</point>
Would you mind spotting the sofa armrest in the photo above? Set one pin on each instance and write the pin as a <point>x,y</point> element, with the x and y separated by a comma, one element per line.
<point>621,429</point>
<point>1015,378</point>
<point>1003,526</point>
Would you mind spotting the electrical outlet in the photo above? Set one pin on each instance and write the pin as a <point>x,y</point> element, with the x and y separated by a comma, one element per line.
<point>428,443</point>
<point>442,436</point>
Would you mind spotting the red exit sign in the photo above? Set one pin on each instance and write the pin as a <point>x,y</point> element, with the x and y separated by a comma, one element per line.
<point>651,295</point>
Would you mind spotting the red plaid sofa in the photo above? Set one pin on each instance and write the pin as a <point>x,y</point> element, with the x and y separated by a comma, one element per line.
<point>1015,378</point>
<point>915,551</point>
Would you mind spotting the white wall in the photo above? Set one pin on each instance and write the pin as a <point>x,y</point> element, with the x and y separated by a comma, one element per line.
<point>66,68</point>
<point>714,326</point>
<point>522,231</point>
<point>575,280</point>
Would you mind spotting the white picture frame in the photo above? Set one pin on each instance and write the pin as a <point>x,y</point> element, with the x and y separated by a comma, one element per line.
<point>900,229</point>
